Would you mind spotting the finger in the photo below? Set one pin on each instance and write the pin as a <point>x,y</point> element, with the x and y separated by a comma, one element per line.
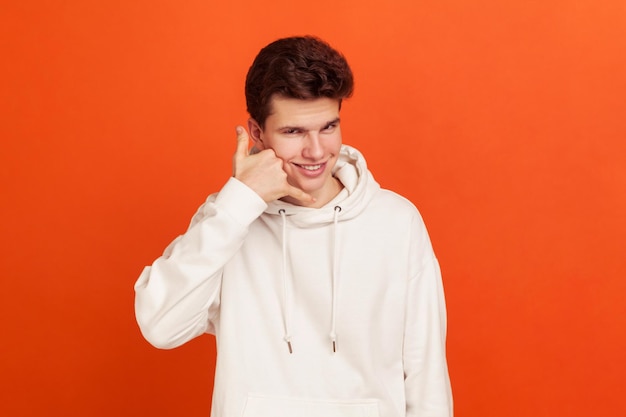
<point>298,194</point>
<point>242,141</point>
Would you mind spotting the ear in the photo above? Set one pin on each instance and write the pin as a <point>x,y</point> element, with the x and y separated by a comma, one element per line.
<point>256,134</point>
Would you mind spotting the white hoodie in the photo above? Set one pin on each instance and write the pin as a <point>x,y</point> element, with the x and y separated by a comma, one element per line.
<point>328,312</point>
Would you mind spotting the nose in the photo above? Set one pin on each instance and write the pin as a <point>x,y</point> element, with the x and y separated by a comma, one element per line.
<point>313,147</point>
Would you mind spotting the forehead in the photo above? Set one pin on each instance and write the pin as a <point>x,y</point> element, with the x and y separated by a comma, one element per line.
<point>302,113</point>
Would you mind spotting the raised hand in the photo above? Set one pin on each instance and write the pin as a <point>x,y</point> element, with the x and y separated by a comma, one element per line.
<point>263,172</point>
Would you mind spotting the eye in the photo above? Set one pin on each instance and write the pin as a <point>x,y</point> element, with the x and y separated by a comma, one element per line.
<point>330,127</point>
<point>291,131</point>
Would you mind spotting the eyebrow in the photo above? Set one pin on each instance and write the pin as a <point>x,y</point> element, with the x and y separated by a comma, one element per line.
<point>334,121</point>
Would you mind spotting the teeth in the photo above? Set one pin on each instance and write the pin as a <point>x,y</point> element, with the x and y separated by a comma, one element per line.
<point>311,167</point>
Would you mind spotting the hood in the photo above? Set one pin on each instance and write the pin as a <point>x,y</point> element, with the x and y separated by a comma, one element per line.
<point>351,170</point>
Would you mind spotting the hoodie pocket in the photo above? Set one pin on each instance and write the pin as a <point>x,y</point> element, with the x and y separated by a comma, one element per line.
<point>265,406</point>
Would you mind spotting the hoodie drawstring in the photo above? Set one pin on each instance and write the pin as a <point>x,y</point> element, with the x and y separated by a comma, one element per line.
<point>286,315</point>
<point>333,333</point>
<point>335,278</point>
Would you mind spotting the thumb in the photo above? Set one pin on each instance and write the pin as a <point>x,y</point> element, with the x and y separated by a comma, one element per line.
<point>242,142</point>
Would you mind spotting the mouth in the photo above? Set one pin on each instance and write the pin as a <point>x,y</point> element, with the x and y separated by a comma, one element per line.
<point>310,167</point>
<point>311,170</point>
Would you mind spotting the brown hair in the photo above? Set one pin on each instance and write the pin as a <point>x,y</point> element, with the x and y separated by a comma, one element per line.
<point>303,67</point>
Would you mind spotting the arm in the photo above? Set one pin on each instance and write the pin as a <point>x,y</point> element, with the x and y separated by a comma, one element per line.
<point>177,297</point>
<point>427,384</point>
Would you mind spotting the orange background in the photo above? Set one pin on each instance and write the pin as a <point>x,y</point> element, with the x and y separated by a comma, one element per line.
<point>504,121</point>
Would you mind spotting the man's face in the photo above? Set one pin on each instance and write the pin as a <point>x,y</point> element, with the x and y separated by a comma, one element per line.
<point>306,135</point>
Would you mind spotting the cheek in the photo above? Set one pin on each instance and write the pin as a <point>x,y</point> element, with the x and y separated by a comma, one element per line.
<point>334,143</point>
<point>286,149</point>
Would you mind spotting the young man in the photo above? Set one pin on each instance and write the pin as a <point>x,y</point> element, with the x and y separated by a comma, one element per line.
<point>321,288</point>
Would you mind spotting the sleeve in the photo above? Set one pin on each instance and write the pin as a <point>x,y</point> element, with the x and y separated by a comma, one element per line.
<point>177,297</point>
<point>427,383</point>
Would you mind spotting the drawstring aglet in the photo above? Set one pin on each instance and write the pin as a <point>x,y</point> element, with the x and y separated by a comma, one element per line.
<point>289,346</point>
<point>334,346</point>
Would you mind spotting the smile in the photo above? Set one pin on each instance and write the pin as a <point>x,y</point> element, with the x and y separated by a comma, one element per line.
<point>311,167</point>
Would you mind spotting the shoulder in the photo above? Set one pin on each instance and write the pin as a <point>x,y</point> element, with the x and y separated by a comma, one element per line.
<point>393,201</point>
<point>395,208</point>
